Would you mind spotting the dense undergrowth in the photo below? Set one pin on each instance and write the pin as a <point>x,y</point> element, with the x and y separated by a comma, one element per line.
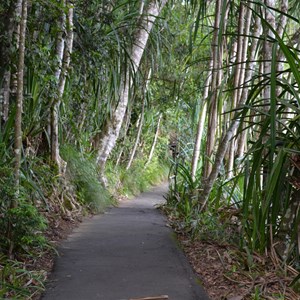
<point>227,223</point>
<point>46,201</point>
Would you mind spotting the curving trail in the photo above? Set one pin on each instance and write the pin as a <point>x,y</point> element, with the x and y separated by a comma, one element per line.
<point>124,254</point>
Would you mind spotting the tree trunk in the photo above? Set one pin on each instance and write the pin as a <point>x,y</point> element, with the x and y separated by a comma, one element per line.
<point>140,127</point>
<point>12,30</point>
<point>222,148</point>
<point>237,79</point>
<point>223,145</point>
<point>5,96</point>
<point>215,82</point>
<point>257,30</point>
<point>18,116</point>
<point>270,18</point>
<point>266,93</point>
<point>126,128</point>
<point>154,141</point>
<point>19,99</point>
<point>111,131</point>
<point>282,22</point>
<point>63,52</point>
<point>201,123</point>
<point>141,122</point>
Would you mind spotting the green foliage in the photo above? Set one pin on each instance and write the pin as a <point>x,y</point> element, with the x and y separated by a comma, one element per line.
<point>83,173</point>
<point>183,206</point>
<point>22,225</point>
<point>138,178</point>
<point>17,281</point>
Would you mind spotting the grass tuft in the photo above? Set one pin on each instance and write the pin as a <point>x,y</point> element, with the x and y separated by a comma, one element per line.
<point>84,175</point>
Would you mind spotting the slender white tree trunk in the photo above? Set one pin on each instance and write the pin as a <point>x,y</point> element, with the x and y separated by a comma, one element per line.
<point>137,140</point>
<point>19,99</point>
<point>13,30</point>
<point>154,141</point>
<point>5,96</point>
<point>223,145</point>
<point>215,82</point>
<point>268,44</point>
<point>251,65</point>
<point>201,123</point>
<point>237,79</point>
<point>126,125</point>
<point>282,22</point>
<point>267,56</point>
<point>112,128</point>
<point>244,76</point>
<point>141,122</point>
<point>18,117</point>
<point>63,51</point>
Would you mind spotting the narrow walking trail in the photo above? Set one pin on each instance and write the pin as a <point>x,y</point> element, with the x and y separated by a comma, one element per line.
<point>126,253</point>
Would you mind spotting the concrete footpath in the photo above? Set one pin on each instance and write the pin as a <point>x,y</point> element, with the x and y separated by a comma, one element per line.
<point>126,253</point>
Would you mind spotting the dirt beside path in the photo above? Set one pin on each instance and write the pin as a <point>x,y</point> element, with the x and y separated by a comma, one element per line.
<point>126,253</point>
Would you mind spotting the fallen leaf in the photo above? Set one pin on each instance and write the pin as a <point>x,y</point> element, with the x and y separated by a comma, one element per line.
<point>236,298</point>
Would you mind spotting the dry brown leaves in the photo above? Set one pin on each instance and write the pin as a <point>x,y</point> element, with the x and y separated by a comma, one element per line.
<point>227,273</point>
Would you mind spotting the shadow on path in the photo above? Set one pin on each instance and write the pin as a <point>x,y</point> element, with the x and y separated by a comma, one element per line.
<point>126,253</point>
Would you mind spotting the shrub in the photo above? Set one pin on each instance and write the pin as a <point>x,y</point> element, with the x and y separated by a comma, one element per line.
<point>83,173</point>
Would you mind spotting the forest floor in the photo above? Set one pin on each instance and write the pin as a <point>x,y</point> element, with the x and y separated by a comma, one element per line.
<point>226,272</point>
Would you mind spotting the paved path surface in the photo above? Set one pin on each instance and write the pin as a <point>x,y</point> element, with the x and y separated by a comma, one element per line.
<point>126,253</point>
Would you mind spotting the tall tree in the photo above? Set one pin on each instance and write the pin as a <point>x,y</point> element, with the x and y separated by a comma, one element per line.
<point>201,123</point>
<point>9,43</point>
<point>154,140</point>
<point>18,117</point>
<point>19,98</point>
<point>111,131</point>
<point>238,76</point>
<point>141,122</point>
<point>64,49</point>
<point>217,57</point>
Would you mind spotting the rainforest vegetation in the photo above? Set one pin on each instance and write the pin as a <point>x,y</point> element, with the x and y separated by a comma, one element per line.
<point>100,99</point>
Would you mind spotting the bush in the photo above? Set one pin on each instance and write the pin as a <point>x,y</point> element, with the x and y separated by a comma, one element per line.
<point>21,225</point>
<point>138,178</point>
<point>83,173</point>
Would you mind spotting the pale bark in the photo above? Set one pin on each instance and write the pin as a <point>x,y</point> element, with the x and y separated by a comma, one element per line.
<point>112,128</point>
<point>268,44</point>
<point>208,184</point>
<point>18,119</point>
<point>13,30</point>
<point>222,148</point>
<point>282,22</point>
<point>257,30</point>
<point>141,122</point>
<point>19,98</point>
<point>237,79</point>
<point>119,156</point>
<point>216,80</point>
<point>244,77</point>
<point>59,53</point>
<point>154,141</point>
<point>201,123</point>
<point>267,56</point>
<point>63,52</point>
<point>127,123</point>
<point>137,140</point>
<point>16,39</point>
<point>5,95</point>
